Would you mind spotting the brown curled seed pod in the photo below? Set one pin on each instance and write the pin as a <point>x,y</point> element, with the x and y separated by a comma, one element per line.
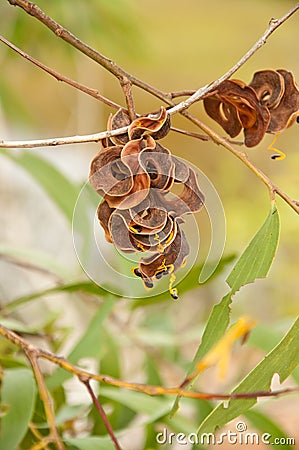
<point>134,174</point>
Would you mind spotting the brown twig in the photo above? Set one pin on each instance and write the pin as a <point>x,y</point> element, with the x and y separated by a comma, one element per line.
<point>273,188</point>
<point>29,266</point>
<point>32,9</point>
<point>138,387</point>
<point>127,90</point>
<point>53,142</point>
<point>92,92</point>
<point>101,411</point>
<point>122,75</point>
<point>33,354</point>
<point>61,32</point>
<point>201,92</point>
<point>202,137</point>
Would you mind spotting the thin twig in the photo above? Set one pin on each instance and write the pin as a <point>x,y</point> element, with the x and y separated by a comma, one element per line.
<point>32,354</point>
<point>42,439</point>
<point>201,92</point>
<point>53,142</point>
<point>32,9</point>
<point>138,387</point>
<point>273,188</point>
<point>29,266</point>
<point>112,67</point>
<point>92,92</point>
<point>202,137</point>
<point>101,412</point>
<point>127,90</point>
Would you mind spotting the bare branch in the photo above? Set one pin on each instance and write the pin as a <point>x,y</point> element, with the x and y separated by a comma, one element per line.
<point>52,142</point>
<point>122,75</point>
<point>138,387</point>
<point>201,92</point>
<point>32,9</point>
<point>32,355</point>
<point>101,411</point>
<point>92,92</point>
<point>29,266</point>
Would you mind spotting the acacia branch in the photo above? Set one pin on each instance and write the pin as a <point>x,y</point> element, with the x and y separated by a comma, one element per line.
<point>33,354</point>
<point>201,92</point>
<point>52,142</point>
<point>124,77</point>
<point>152,390</point>
<point>101,411</point>
<point>32,9</point>
<point>61,32</point>
<point>92,92</point>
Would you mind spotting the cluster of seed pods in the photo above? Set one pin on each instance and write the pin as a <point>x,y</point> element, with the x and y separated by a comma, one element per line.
<point>134,174</point>
<point>268,104</point>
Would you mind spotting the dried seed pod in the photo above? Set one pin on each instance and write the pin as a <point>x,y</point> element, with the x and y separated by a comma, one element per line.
<point>134,176</point>
<point>155,124</point>
<point>234,105</point>
<point>287,110</point>
<point>119,120</point>
<point>269,87</point>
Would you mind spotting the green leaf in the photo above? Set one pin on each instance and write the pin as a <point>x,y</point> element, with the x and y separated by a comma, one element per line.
<point>91,443</point>
<point>265,425</point>
<point>18,393</point>
<point>282,360</point>
<point>61,190</point>
<point>154,408</point>
<point>137,401</point>
<point>256,260</point>
<point>84,286</point>
<point>215,329</point>
<point>91,344</point>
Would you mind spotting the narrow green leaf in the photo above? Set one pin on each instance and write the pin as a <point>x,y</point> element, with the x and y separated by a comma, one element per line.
<point>265,425</point>
<point>257,258</point>
<point>155,408</point>
<point>90,344</point>
<point>254,263</point>
<point>83,286</point>
<point>215,329</point>
<point>60,189</point>
<point>18,393</point>
<point>91,443</point>
<point>137,401</point>
<point>283,359</point>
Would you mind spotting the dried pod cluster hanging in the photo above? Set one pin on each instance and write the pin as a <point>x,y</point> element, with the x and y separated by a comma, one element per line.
<point>134,174</point>
<point>269,104</point>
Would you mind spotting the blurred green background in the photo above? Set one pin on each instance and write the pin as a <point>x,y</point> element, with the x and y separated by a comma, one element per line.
<point>172,45</point>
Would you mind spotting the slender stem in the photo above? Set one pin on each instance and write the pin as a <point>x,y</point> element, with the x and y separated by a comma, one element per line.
<point>52,142</point>
<point>92,92</point>
<point>29,266</point>
<point>61,32</point>
<point>122,75</point>
<point>202,137</point>
<point>127,90</point>
<point>242,156</point>
<point>201,92</point>
<point>101,411</point>
<point>32,355</point>
<point>32,9</point>
<point>146,389</point>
